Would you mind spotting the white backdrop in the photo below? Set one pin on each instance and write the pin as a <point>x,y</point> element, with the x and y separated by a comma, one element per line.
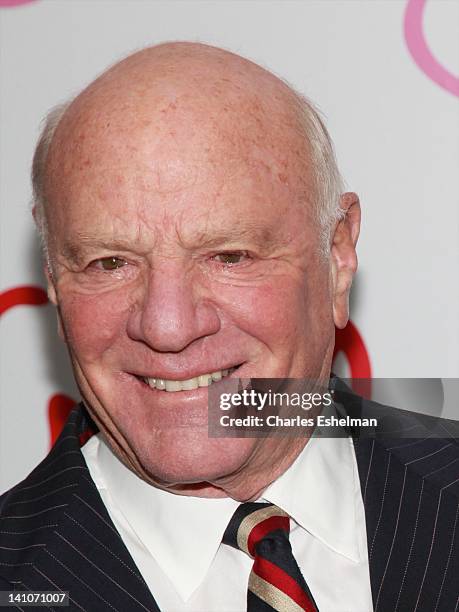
<point>383,74</point>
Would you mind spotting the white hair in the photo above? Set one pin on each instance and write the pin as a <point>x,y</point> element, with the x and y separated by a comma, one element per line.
<point>328,182</point>
<point>40,157</point>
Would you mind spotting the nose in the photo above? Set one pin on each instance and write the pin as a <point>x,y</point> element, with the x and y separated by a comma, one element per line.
<point>174,310</point>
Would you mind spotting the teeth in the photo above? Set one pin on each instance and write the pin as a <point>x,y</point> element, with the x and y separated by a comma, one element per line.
<point>173,385</point>
<point>187,385</point>
<point>204,380</point>
<point>190,384</point>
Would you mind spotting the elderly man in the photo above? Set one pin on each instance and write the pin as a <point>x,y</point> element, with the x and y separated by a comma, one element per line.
<point>194,230</point>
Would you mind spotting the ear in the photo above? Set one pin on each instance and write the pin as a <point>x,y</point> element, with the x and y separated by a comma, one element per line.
<point>344,257</point>
<point>52,296</point>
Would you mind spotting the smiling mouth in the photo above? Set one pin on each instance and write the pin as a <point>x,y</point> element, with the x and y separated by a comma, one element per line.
<point>204,380</point>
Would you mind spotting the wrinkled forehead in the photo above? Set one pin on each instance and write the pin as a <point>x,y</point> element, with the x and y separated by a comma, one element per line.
<point>171,133</point>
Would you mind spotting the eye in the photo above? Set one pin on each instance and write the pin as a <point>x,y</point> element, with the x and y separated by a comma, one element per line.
<point>108,264</point>
<point>230,259</point>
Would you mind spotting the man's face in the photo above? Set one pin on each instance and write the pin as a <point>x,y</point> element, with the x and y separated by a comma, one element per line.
<point>179,251</point>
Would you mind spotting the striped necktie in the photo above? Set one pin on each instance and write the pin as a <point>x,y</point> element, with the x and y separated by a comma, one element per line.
<point>275,582</point>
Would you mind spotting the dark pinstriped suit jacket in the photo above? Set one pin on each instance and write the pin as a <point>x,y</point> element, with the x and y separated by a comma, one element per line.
<point>55,533</point>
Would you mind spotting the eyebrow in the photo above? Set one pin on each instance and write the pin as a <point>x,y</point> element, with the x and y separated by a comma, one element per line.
<point>73,248</point>
<point>261,237</point>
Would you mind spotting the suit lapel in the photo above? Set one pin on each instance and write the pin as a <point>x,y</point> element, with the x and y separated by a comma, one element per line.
<point>56,533</point>
<point>61,537</point>
<point>410,494</point>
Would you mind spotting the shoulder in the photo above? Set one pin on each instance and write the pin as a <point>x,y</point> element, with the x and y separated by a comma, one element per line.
<point>420,447</point>
<point>33,508</point>
<point>64,457</point>
<point>409,476</point>
<point>405,450</point>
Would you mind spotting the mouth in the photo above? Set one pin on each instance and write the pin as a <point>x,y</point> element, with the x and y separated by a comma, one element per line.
<point>172,386</point>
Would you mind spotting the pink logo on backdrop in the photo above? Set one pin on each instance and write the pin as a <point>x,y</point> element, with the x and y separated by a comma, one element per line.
<point>9,3</point>
<point>417,46</point>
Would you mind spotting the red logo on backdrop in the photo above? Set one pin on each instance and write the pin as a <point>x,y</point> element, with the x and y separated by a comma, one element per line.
<point>348,340</point>
<point>22,296</point>
<point>59,405</point>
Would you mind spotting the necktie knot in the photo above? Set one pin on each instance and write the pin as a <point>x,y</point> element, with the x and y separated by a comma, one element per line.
<point>275,582</point>
<point>254,525</point>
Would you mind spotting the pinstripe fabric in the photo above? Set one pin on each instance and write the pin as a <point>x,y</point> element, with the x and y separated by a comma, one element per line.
<point>411,498</point>
<point>410,489</point>
<point>55,532</point>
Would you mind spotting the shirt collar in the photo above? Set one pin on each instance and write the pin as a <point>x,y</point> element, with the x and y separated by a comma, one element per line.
<point>317,491</point>
<point>320,491</point>
<point>168,525</point>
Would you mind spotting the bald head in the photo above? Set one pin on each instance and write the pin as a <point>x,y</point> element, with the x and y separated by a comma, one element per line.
<point>192,105</point>
<point>184,195</point>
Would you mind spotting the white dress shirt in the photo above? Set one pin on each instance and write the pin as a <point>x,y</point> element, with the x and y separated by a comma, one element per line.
<point>175,540</point>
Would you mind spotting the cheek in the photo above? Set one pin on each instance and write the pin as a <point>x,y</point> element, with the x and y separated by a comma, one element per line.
<point>283,314</point>
<point>93,324</point>
<point>272,312</point>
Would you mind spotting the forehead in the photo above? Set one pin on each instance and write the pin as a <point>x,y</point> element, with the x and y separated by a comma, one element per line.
<point>173,154</point>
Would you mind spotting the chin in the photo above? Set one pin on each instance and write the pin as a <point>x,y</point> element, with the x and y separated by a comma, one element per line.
<point>185,460</point>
